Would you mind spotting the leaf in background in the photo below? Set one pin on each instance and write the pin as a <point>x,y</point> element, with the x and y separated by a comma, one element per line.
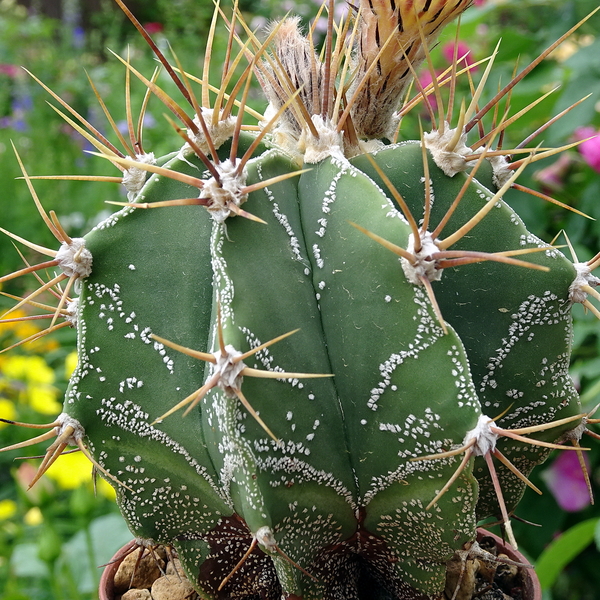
<point>597,534</point>
<point>106,534</point>
<point>25,562</point>
<point>564,549</point>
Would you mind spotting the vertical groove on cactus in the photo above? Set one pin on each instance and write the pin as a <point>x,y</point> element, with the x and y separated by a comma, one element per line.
<point>356,328</point>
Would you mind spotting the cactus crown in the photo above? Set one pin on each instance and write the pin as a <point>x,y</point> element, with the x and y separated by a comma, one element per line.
<point>345,318</point>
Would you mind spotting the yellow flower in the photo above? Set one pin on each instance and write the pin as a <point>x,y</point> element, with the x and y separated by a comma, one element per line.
<point>33,516</point>
<point>42,345</point>
<point>7,411</point>
<point>42,398</point>
<point>106,489</point>
<point>20,329</point>
<point>8,508</point>
<point>38,377</point>
<point>70,363</point>
<point>32,369</point>
<point>38,371</point>
<point>73,470</point>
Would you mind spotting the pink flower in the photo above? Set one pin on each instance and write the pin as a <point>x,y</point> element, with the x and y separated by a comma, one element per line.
<point>425,79</point>
<point>153,27</point>
<point>463,54</point>
<point>565,480</point>
<point>552,176</point>
<point>590,149</point>
<point>479,2</point>
<point>10,70</point>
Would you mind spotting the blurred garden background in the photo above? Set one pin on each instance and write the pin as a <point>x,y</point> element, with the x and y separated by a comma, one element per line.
<point>54,537</point>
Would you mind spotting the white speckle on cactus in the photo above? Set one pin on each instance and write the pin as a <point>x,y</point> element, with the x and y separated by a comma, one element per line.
<point>283,220</point>
<point>130,417</point>
<point>130,383</point>
<point>131,267</point>
<point>114,305</point>
<point>317,254</point>
<point>321,232</point>
<point>293,464</point>
<point>330,194</point>
<point>427,333</point>
<point>534,314</point>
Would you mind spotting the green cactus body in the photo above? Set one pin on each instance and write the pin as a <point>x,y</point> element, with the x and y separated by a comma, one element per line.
<point>372,316</point>
<point>520,359</point>
<point>340,472</point>
<point>263,288</point>
<point>115,396</point>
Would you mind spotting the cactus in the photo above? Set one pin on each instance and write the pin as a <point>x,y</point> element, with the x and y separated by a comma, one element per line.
<point>301,346</point>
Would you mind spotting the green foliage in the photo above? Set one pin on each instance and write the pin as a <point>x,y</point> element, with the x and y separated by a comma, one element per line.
<point>564,549</point>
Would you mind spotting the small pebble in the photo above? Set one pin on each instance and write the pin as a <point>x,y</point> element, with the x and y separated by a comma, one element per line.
<point>171,588</point>
<point>147,570</point>
<point>136,595</point>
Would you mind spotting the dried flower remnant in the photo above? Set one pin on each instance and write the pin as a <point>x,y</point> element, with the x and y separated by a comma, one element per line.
<point>392,41</point>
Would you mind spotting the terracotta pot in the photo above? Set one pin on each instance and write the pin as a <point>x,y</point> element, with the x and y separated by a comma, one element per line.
<point>106,590</point>
<point>531,584</point>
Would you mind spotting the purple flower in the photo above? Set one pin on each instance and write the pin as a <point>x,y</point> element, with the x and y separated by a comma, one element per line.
<point>148,123</point>
<point>590,149</point>
<point>566,481</point>
<point>78,37</point>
